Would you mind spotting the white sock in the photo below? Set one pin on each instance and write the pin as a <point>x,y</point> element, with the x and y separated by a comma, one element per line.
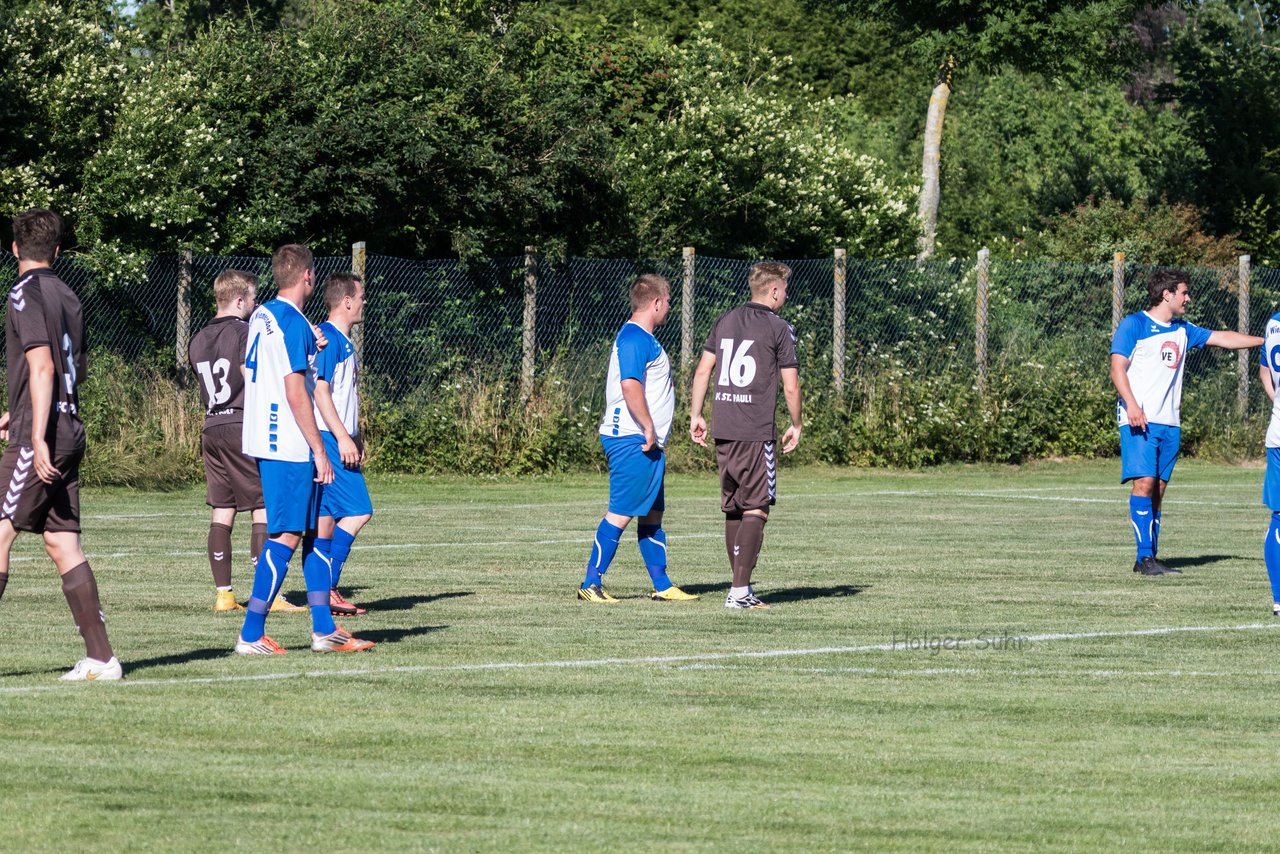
<point>740,592</point>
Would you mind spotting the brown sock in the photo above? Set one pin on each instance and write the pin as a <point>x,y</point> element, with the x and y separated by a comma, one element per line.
<point>81,591</point>
<point>731,523</point>
<point>4,579</point>
<point>747,547</point>
<point>220,554</point>
<point>257,539</point>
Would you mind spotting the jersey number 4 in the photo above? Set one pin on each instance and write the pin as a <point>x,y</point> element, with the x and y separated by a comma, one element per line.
<point>735,365</point>
<point>215,380</point>
<point>251,358</point>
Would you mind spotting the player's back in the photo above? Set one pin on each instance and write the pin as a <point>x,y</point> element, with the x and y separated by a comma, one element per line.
<point>216,354</point>
<point>338,366</point>
<point>44,311</point>
<point>752,344</point>
<point>1271,361</point>
<point>281,342</point>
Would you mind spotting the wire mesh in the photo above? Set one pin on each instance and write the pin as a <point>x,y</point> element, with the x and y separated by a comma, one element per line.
<point>428,320</point>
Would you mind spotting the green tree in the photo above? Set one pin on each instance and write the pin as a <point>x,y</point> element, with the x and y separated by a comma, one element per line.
<point>1075,38</point>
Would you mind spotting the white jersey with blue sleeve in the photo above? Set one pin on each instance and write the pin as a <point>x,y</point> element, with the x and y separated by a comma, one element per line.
<point>281,342</point>
<point>1271,361</point>
<point>336,365</point>
<point>637,355</point>
<point>1157,356</point>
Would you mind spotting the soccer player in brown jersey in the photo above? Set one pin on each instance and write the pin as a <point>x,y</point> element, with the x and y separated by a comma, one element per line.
<point>216,354</point>
<point>755,348</point>
<point>44,345</point>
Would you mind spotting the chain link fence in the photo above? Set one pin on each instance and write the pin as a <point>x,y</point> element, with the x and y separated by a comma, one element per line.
<point>515,319</point>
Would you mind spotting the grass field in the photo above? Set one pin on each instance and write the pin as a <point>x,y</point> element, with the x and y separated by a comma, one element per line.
<point>1056,701</point>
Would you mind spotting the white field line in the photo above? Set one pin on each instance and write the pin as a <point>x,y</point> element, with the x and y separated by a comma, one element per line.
<point>650,660</point>
<point>974,671</point>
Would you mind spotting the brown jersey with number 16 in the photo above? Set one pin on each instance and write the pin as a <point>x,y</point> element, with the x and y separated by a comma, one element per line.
<point>44,312</point>
<point>751,344</point>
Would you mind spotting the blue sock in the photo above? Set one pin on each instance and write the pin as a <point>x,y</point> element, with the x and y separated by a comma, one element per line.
<point>315,569</point>
<point>1271,551</point>
<point>268,575</point>
<point>603,549</point>
<point>322,545</point>
<point>1155,533</point>
<point>653,548</point>
<point>1140,516</point>
<point>339,551</point>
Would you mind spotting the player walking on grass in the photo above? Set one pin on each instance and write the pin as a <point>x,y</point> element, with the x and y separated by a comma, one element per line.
<point>232,486</point>
<point>640,404</point>
<point>280,431</point>
<point>44,346</point>
<point>1148,355</point>
<point>755,349</point>
<point>345,505</point>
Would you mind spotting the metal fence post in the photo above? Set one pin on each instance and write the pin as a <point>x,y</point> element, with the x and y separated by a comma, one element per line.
<point>1117,291</point>
<point>1242,387</point>
<point>837,320</point>
<point>182,331</point>
<point>529,341</point>
<point>686,318</point>
<point>357,267</point>
<point>982,318</point>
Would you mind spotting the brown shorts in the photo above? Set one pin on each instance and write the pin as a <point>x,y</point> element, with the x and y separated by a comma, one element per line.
<point>748,475</point>
<point>33,505</point>
<point>230,476</point>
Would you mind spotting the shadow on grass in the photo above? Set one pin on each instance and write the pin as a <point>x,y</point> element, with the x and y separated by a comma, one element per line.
<point>208,654</point>
<point>395,635</point>
<point>786,594</point>
<point>405,603</point>
<point>1199,560</point>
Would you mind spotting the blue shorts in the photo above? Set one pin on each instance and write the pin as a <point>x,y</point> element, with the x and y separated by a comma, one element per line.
<point>635,476</point>
<point>1150,452</point>
<point>290,494</point>
<point>1271,484</point>
<point>347,495</point>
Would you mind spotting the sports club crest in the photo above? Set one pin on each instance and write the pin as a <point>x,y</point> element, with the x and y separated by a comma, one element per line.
<point>1170,354</point>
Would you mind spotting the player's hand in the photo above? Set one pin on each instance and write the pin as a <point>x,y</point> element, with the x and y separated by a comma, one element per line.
<point>321,341</point>
<point>698,430</point>
<point>790,439</point>
<point>348,452</point>
<point>1137,418</point>
<point>650,439</point>
<point>324,469</point>
<point>44,467</point>
<point>4,426</point>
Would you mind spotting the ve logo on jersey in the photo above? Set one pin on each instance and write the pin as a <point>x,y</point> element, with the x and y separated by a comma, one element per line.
<point>1170,355</point>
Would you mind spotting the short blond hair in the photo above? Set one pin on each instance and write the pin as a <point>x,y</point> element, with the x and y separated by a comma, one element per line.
<point>764,274</point>
<point>230,285</point>
<point>289,262</point>
<point>647,288</point>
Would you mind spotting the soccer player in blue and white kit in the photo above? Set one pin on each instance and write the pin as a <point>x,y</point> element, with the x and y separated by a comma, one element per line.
<point>280,431</point>
<point>1270,375</point>
<point>1148,356</point>
<point>640,403</point>
<point>345,505</point>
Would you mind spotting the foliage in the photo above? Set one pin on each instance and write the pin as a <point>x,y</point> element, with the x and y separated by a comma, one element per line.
<point>1021,148</point>
<point>731,164</point>
<point>1163,233</point>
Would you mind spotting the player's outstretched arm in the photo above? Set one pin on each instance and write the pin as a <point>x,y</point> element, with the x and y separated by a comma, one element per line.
<point>633,395</point>
<point>1120,379</point>
<point>701,379</point>
<point>1228,340</point>
<point>791,391</point>
<point>295,391</point>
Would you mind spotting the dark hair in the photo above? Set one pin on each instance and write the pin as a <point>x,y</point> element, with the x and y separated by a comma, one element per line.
<point>1161,280</point>
<point>38,233</point>
<point>339,286</point>
<point>289,263</point>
